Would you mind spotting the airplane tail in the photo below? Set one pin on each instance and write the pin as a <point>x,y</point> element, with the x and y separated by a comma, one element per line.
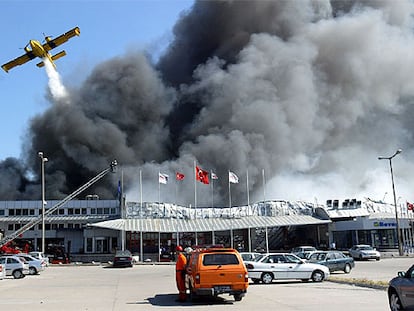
<point>53,58</point>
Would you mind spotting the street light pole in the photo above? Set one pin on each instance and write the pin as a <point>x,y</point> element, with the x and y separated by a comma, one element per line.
<point>42,163</point>
<point>400,248</point>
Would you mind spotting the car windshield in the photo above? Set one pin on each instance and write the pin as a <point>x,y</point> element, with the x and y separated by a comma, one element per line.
<point>309,249</point>
<point>317,256</point>
<point>366,248</point>
<point>258,257</point>
<point>292,259</point>
<point>123,253</point>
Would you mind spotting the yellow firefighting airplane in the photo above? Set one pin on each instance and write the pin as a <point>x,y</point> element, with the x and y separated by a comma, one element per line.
<point>35,49</point>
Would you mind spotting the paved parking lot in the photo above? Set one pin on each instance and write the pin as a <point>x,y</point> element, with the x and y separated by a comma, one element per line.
<point>152,287</point>
<point>382,270</point>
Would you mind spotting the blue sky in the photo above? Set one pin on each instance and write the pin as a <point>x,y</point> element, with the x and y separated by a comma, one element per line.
<point>108,29</point>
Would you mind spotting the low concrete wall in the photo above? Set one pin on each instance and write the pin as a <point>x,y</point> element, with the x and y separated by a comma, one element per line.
<point>88,258</point>
<point>85,258</point>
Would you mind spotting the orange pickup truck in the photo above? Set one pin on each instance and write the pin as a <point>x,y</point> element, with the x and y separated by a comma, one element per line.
<point>215,271</point>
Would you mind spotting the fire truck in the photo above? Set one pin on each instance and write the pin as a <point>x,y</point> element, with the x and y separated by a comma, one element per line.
<point>8,245</point>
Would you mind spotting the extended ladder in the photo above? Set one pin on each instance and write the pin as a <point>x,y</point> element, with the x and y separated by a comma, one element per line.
<point>38,219</point>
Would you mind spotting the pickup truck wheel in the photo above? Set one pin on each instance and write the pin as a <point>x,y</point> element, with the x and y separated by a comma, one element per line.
<point>17,274</point>
<point>192,295</point>
<point>238,297</point>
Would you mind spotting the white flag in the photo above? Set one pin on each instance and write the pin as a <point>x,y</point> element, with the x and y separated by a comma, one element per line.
<point>162,178</point>
<point>213,176</point>
<point>233,178</point>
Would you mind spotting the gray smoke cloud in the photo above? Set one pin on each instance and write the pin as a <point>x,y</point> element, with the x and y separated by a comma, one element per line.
<point>306,94</point>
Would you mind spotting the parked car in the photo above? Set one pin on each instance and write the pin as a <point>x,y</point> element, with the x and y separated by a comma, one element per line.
<point>363,251</point>
<point>303,251</point>
<point>216,271</point>
<point>35,265</point>
<point>15,266</point>
<point>284,266</point>
<point>122,259</point>
<point>246,256</point>
<point>40,255</point>
<point>2,272</point>
<point>334,260</point>
<point>401,291</point>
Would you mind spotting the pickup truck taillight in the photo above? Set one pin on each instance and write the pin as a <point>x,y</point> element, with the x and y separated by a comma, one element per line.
<point>246,277</point>
<point>197,278</point>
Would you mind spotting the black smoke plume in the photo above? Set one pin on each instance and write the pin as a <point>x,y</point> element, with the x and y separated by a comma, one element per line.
<point>298,98</point>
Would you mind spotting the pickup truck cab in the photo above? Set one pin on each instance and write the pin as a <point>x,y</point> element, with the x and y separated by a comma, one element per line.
<point>215,271</point>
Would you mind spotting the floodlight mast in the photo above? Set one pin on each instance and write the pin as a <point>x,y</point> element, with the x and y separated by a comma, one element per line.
<point>400,246</point>
<point>43,160</point>
<point>37,220</point>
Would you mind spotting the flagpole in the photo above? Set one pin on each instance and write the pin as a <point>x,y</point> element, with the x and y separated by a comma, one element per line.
<point>231,219</point>
<point>195,203</point>
<point>212,205</point>
<point>141,247</point>
<point>410,236</point>
<point>176,211</point>
<point>123,211</point>
<point>248,208</point>
<point>159,209</point>
<point>159,190</point>
<point>264,203</point>
<point>411,230</point>
<point>212,189</point>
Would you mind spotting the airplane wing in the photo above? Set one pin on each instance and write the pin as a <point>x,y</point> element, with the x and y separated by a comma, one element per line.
<point>61,39</point>
<point>18,61</point>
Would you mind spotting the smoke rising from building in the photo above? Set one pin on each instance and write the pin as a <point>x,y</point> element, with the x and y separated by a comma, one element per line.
<point>311,92</point>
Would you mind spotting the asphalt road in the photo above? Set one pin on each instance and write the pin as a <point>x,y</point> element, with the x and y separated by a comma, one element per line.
<point>152,287</point>
<point>383,270</point>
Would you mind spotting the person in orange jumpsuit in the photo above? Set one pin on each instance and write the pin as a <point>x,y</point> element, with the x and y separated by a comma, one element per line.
<point>180,271</point>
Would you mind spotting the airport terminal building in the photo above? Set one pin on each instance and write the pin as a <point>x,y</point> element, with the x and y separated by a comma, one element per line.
<point>94,227</point>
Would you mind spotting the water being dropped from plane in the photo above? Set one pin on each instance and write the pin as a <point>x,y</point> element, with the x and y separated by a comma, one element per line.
<point>56,86</point>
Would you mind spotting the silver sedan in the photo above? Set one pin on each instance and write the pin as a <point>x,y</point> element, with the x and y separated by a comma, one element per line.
<point>284,266</point>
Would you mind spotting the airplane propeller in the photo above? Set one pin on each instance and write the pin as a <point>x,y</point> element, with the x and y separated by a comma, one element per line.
<point>47,38</point>
<point>26,47</point>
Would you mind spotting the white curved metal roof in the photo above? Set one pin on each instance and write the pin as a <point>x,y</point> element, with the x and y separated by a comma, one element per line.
<point>207,224</point>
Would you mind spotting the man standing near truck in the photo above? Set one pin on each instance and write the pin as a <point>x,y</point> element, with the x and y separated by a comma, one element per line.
<point>180,271</point>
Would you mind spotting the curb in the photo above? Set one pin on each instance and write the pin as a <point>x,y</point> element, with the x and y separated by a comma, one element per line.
<point>361,283</point>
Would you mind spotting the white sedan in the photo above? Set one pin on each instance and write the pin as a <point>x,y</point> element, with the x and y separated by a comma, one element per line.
<point>362,251</point>
<point>35,265</point>
<point>284,266</point>
<point>41,256</point>
<point>2,272</point>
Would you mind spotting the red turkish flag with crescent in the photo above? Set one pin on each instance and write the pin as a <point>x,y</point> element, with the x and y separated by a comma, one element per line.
<point>202,175</point>
<point>179,176</point>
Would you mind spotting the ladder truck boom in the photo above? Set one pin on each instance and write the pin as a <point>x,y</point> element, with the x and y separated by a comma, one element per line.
<point>38,219</point>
